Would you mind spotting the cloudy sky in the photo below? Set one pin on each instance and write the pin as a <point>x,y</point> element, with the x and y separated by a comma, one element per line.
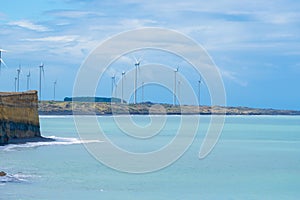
<point>255,44</point>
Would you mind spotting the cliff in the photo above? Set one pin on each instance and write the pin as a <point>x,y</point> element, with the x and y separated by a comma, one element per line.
<point>18,116</point>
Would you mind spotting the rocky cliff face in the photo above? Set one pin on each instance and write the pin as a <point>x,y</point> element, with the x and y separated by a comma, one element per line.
<point>18,116</point>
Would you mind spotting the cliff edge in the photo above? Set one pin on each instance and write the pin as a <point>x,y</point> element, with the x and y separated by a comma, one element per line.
<point>18,116</point>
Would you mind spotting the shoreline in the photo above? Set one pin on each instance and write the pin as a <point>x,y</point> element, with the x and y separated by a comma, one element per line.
<point>26,140</point>
<point>107,109</point>
<point>110,115</point>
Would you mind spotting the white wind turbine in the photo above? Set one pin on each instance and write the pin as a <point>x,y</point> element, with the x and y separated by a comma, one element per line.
<point>179,97</point>
<point>175,83</point>
<point>137,64</point>
<point>18,75</point>
<point>40,83</point>
<point>28,80</point>
<point>54,89</point>
<point>113,84</point>
<point>1,60</point>
<point>199,85</point>
<point>122,92</point>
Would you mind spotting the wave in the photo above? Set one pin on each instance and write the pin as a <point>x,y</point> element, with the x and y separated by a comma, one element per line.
<point>15,178</point>
<point>56,141</point>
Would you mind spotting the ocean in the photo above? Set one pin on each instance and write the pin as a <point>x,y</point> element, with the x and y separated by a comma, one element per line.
<point>256,157</point>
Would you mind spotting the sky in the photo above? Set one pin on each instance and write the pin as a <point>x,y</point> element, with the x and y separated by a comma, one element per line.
<point>255,44</point>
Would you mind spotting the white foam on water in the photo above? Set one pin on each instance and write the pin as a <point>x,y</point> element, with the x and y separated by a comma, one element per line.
<point>57,141</point>
<point>15,178</point>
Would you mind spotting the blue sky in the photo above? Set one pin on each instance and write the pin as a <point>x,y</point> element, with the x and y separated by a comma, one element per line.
<point>255,44</point>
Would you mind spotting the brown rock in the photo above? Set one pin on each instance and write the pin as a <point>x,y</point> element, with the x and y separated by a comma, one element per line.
<point>2,173</point>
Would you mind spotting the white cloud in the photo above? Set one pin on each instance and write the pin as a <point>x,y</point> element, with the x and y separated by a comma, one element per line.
<point>29,25</point>
<point>277,17</point>
<point>232,76</point>
<point>136,23</point>
<point>74,13</point>
<point>65,38</point>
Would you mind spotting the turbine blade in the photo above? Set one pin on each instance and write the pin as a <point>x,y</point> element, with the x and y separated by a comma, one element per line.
<point>136,61</point>
<point>141,57</point>
<point>1,61</point>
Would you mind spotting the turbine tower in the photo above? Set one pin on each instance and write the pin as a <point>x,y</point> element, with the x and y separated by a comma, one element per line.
<point>113,83</point>
<point>199,84</point>
<point>122,96</point>
<point>175,83</point>
<point>143,92</point>
<point>18,83</point>
<point>179,95</point>
<point>54,87</point>
<point>40,83</point>
<point>137,64</point>
<point>28,80</point>
<point>1,60</point>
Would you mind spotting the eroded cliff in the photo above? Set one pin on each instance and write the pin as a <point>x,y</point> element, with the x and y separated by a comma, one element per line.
<point>18,116</point>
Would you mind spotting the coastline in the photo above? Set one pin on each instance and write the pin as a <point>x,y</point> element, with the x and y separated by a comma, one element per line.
<point>88,108</point>
<point>26,140</point>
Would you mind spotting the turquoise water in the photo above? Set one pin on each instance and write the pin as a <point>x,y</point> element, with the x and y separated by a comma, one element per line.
<point>257,157</point>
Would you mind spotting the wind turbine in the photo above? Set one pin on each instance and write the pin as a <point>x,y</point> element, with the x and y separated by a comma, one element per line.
<point>18,84</point>
<point>137,64</point>
<point>179,94</point>
<point>113,83</point>
<point>28,80</point>
<point>54,87</point>
<point>123,75</point>
<point>199,84</point>
<point>1,60</point>
<point>175,83</point>
<point>41,71</point>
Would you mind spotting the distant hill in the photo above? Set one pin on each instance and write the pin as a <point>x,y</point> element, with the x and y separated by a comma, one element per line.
<point>93,99</point>
<point>108,108</point>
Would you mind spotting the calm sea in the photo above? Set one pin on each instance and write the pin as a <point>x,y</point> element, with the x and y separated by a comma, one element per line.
<point>257,157</point>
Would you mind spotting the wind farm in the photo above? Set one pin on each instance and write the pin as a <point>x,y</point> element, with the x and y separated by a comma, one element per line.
<point>23,81</point>
<point>121,80</point>
<point>16,79</point>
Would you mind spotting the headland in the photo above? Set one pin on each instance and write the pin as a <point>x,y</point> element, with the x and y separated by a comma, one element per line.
<point>19,119</point>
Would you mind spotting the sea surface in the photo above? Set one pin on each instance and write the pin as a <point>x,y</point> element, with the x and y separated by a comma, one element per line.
<point>256,157</point>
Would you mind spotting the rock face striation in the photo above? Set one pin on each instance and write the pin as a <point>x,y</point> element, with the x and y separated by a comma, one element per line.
<point>18,116</point>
